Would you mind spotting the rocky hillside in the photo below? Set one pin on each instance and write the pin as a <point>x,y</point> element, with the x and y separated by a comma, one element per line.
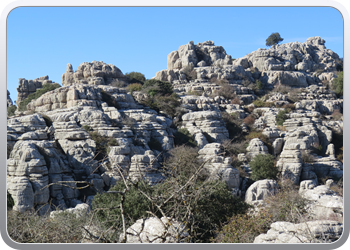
<point>98,129</point>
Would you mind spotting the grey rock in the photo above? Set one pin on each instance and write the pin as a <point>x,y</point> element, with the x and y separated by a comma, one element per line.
<point>260,190</point>
<point>319,231</point>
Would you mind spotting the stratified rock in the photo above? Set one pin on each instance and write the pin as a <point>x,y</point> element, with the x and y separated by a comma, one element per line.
<point>256,146</point>
<point>219,167</point>
<point>324,203</point>
<point>94,73</point>
<point>208,123</point>
<point>319,231</point>
<point>27,87</point>
<point>9,101</point>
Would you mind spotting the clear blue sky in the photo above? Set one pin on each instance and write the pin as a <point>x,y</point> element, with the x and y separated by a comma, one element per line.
<point>42,40</point>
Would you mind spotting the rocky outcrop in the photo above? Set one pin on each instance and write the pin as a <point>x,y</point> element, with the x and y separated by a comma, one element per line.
<point>319,231</point>
<point>256,146</point>
<point>27,87</point>
<point>324,203</point>
<point>304,57</point>
<point>205,126</point>
<point>9,101</point>
<point>94,73</point>
<point>219,167</point>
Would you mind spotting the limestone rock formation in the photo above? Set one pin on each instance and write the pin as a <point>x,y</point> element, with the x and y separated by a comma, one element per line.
<point>303,57</point>
<point>9,101</point>
<point>94,73</point>
<point>319,231</point>
<point>27,87</point>
<point>206,124</point>
<point>259,190</point>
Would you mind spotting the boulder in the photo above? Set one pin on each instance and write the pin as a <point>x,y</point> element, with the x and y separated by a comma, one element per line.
<point>155,230</point>
<point>260,190</point>
<point>319,231</point>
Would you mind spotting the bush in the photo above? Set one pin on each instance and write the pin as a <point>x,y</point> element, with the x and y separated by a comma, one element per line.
<point>243,228</point>
<point>22,106</point>
<point>153,87</point>
<point>249,120</point>
<point>166,103</point>
<point>134,87</point>
<point>136,77</point>
<point>260,103</point>
<point>338,84</point>
<point>102,144</point>
<point>183,137</point>
<point>135,205</point>
<point>273,39</point>
<point>226,90</point>
<point>232,125</point>
<point>281,117</point>
<point>31,228</point>
<point>11,110</point>
<point>263,167</point>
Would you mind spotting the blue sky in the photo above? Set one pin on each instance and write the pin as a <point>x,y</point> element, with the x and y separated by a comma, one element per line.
<point>42,40</point>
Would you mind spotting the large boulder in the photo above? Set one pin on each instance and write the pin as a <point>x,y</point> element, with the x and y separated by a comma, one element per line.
<point>155,230</point>
<point>260,190</point>
<point>319,231</point>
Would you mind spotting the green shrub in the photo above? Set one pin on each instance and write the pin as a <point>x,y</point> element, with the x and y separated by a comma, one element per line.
<point>338,84</point>
<point>136,77</point>
<point>260,103</point>
<point>102,144</point>
<point>183,137</point>
<point>165,103</point>
<point>259,84</point>
<point>281,117</point>
<point>135,205</point>
<point>153,87</point>
<point>22,106</point>
<point>134,87</point>
<point>263,167</point>
<point>273,39</point>
<point>11,110</point>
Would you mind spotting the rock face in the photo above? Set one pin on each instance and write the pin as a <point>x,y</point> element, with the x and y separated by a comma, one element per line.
<point>205,126</point>
<point>9,101</point>
<point>304,57</point>
<point>93,132</point>
<point>27,87</point>
<point>319,231</point>
<point>219,167</point>
<point>325,203</point>
<point>94,73</point>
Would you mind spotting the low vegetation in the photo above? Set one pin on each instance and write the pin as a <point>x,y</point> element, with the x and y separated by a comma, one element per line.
<point>22,106</point>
